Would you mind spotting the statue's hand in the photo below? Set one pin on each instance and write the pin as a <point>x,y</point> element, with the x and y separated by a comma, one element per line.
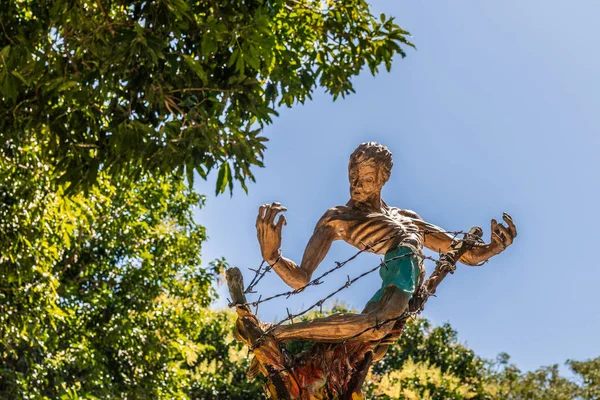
<point>269,233</point>
<point>502,236</point>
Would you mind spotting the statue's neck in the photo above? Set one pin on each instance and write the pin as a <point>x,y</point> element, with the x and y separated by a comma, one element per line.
<point>375,204</point>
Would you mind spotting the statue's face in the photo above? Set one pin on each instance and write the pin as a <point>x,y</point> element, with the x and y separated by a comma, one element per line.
<point>365,182</point>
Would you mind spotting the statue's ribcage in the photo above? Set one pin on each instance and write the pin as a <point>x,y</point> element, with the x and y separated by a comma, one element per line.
<point>379,233</point>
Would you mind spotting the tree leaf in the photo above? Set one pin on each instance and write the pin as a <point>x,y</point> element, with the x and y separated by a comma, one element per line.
<point>223,178</point>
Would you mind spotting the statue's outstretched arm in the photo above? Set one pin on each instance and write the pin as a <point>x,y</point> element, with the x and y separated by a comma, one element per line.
<point>269,238</point>
<point>439,240</point>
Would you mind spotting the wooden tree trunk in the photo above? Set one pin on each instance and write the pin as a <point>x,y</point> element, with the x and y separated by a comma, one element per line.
<point>325,371</point>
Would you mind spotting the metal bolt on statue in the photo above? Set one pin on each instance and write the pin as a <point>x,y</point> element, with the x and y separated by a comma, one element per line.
<point>347,344</point>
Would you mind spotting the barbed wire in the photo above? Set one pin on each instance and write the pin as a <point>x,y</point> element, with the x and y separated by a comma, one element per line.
<point>314,282</point>
<point>421,290</point>
<point>260,273</point>
<point>348,283</point>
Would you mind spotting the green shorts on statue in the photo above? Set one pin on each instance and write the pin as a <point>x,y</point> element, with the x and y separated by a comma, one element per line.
<point>401,269</point>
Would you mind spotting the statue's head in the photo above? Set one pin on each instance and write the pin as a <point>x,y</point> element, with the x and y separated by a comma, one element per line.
<point>368,170</point>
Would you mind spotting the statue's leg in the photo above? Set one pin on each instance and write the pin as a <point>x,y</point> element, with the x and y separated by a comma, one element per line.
<point>338,327</point>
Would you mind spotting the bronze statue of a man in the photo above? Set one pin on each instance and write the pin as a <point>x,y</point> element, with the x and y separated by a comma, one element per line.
<point>368,223</point>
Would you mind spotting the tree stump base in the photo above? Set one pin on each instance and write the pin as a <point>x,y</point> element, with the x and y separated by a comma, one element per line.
<point>324,371</point>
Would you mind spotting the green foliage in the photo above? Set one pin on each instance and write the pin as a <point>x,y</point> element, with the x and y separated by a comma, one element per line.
<point>440,346</point>
<point>589,373</point>
<point>544,384</point>
<point>178,86</point>
<point>221,369</point>
<point>420,380</point>
<point>430,363</point>
<point>102,295</point>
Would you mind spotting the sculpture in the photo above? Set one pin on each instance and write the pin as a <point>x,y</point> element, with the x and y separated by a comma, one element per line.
<point>369,224</point>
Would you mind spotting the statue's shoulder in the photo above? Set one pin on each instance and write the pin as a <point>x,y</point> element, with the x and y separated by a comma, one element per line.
<point>335,213</point>
<point>404,213</point>
<point>337,210</point>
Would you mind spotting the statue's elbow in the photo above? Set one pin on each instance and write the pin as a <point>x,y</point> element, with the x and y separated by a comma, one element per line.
<point>300,282</point>
<point>470,261</point>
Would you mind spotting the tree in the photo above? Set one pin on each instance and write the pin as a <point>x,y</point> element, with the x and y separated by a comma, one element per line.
<point>102,295</point>
<point>544,384</point>
<point>431,362</point>
<point>589,374</point>
<point>127,86</point>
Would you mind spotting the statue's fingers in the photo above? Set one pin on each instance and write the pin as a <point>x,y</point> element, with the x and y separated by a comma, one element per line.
<point>506,237</point>
<point>494,225</point>
<point>503,229</point>
<point>511,225</point>
<point>265,209</point>
<point>495,232</point>
<point>261,213</point>
<point>281,222</point>
<point>277,211</point>
<point>272,213</point>
<point>497,239</point>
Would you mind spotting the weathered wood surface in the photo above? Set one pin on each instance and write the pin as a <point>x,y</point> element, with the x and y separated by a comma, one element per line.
<point>325,371</point>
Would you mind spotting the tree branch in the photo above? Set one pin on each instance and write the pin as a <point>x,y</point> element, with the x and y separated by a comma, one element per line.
<point>65,35</point>
<point>6,33</point>
<point>107,18</point>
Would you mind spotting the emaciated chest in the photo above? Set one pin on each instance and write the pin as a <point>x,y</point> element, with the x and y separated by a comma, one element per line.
<point>374,232</point>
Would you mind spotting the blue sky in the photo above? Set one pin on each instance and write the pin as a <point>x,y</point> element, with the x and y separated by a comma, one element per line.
<point>497,110</point>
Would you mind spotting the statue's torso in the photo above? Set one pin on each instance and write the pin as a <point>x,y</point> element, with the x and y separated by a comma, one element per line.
<point>375,232</point>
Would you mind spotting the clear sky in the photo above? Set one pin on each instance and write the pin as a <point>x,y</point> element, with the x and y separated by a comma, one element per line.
<point>497,110</point>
